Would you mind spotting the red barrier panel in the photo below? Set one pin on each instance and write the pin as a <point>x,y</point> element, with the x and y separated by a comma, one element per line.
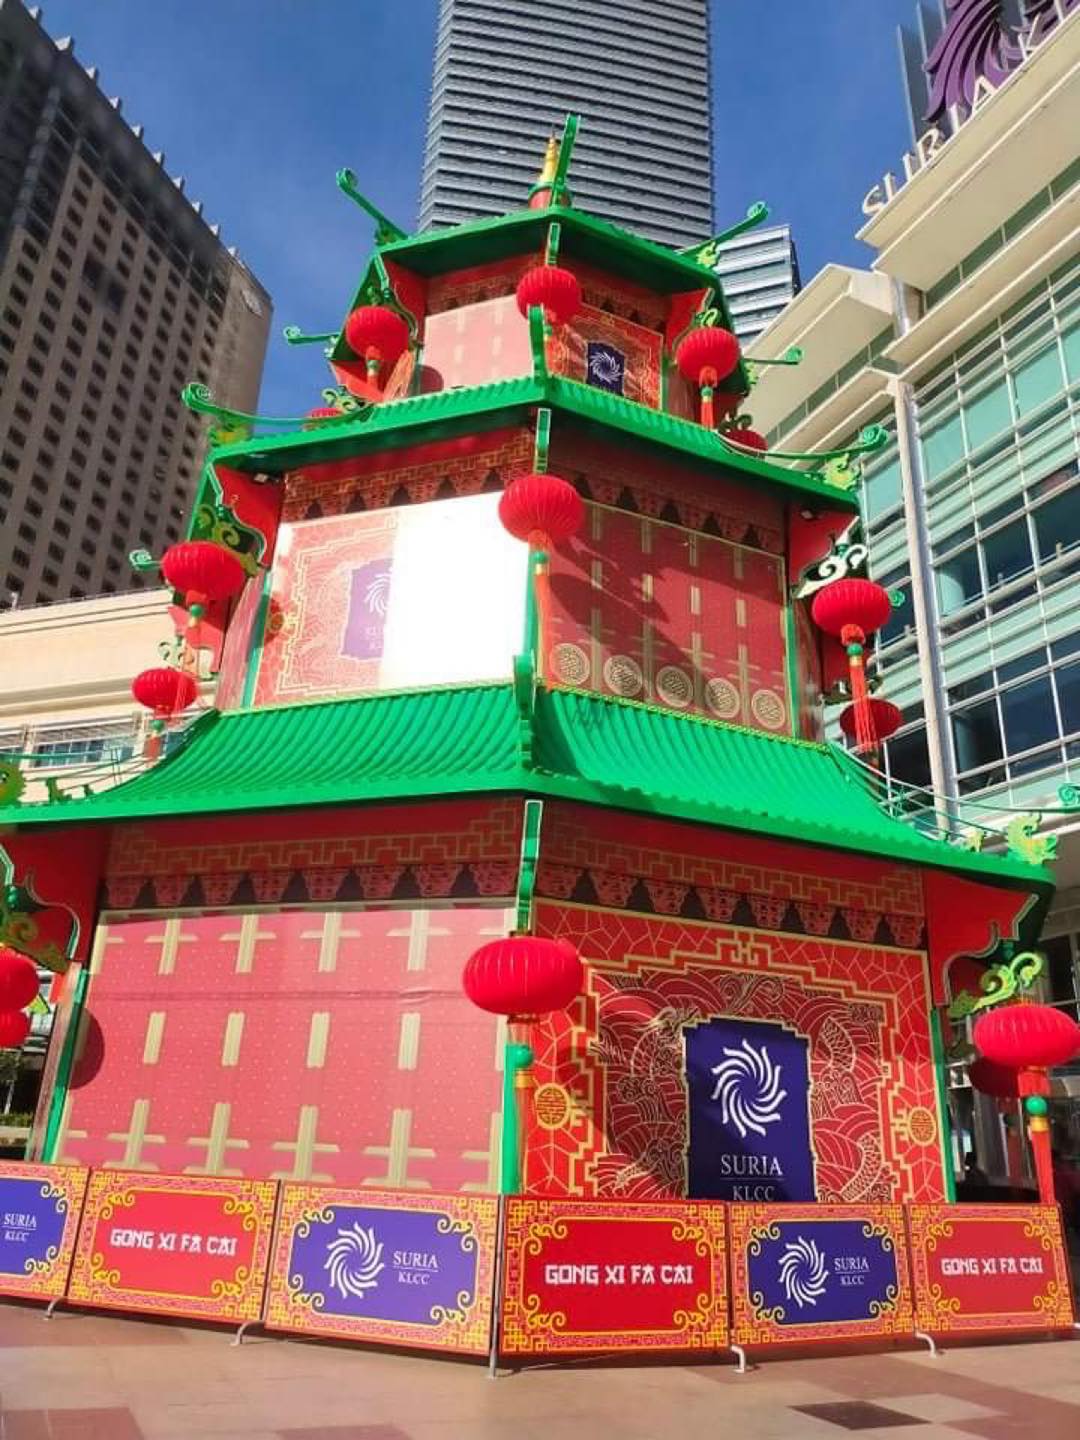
<point>174,1245</point>
<point>385,1267</point>
<point>981,1269</point>
<point>806,1274</point>
<point>589,1275</point>
<point>40,1207</point>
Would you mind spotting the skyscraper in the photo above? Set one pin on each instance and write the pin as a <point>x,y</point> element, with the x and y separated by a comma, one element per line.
<point>506,73</point>
<point>760,274</point>
<point>114,292</point>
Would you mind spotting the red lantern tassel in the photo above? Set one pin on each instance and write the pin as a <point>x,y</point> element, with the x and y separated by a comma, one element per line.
<point>541,563</point>
<point>1034,1086</point>
<point>854,639</point>
<point>708,385</point>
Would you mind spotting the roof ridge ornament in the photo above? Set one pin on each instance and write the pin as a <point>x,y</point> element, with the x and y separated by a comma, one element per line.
<point>234,426</point>
<point>551,186</point>
<point>707,253</point>
<point>386,231</point>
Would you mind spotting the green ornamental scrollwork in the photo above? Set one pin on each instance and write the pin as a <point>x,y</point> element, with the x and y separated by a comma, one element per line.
<point>1069,795</point>
<point>1000,983</point>
<point>708,253</point>
<point>231,426</point>
<point>839,469</point>
<point>350,405</point>
<point>12,783</point>
<point>1024,841</point>
<point>295,336</point>
<point>386,232</point>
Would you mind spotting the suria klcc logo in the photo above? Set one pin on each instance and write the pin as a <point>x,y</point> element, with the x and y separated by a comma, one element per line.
<point>354,1261</point>
<point>803,1272</point>
<point>748,1089</point>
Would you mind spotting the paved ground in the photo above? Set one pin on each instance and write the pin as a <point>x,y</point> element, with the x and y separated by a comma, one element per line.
<point>88,1377</point>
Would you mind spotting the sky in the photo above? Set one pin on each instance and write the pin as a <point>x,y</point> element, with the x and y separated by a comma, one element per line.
<point>259,102</point>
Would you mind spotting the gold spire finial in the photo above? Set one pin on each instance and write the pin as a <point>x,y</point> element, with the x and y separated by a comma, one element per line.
<point>551,162</point>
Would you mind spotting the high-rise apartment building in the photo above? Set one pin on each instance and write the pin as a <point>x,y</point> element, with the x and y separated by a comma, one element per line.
<point>114,292</point>
<point>760,273</point>
<point>508,71</point>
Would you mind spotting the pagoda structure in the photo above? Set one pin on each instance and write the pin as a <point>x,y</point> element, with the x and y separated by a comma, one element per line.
<point>521,632</point>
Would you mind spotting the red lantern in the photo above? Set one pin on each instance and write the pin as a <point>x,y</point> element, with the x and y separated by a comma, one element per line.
<point>996,1080</point>
<point>852,609</point>
<point>851,603</point>
<point>885,719</point>
<point>707,354</point>
<point>523,975</point>
<point>202,570</point>
<point>541,508</point>
<point>165,691</point>
<point>750,439</point>
<point>18,980</point>
<point>14,1028</point>
<point>556,290</point>
<point>378,334</point>
<point>1027,1037</point>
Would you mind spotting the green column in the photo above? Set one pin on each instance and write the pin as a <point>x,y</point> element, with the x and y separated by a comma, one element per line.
<point>516,1057</point>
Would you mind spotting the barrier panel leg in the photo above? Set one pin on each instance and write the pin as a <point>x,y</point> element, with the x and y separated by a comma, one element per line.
<point>928,1341</point>
<point>496,1299</point>
<point>740,1357</point>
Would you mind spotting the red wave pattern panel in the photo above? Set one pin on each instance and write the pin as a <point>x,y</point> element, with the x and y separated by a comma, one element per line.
<point>311,1045</point>
<point>610,1114</point>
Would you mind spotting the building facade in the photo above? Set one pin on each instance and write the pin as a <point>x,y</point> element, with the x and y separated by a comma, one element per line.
<point>114,293</point>
<point>964,342</point>
<point>760,272</point>
<point>507,71</point>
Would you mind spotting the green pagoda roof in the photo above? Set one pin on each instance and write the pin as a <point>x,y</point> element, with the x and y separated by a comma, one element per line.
<point>450,412</point>
<point>475,740</point>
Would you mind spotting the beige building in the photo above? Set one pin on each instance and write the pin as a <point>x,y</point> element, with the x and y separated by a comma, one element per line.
<point>114,293</point>
<point>66,705</point>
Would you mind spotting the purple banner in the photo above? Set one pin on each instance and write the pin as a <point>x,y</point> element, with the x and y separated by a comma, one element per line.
<point>748,1096</point>
<point>806,1272</point>
<point>403,1269</point>
<point>369,597</point>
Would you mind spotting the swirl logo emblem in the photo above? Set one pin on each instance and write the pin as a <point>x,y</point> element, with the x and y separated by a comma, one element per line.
<point>803,1272</point>
<point>355,1261</point>
<point>377,593</point>
<point>748,1088</point>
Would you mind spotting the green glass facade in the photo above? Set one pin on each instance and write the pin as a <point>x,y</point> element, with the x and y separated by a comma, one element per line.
<point>998,427</point>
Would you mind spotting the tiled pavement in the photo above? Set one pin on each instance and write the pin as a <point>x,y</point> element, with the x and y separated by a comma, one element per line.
<point>92,1377</point>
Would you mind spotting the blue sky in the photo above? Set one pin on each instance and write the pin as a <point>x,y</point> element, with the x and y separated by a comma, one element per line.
<point>259,102</point>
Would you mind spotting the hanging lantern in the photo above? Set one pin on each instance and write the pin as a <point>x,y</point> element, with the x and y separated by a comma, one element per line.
<point>556,290</point>
<point>14,1028</point>
<point>885,719</point>
<point>750,439</point>
<point>378,334</point>
<point>542,509</point>
<point>852,610</point>
<point>523,975</point>
<point>203,571</point>
<point>705,356</point>
<point>18,980</point>
<point>996,1080</point>
<point>1027,1037</point>
<point>165,691</point>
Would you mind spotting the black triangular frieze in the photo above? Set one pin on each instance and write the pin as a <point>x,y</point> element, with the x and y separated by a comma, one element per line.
<point>627,500</point>
<point>635,317</point>
<point>313,511</point>
<point>356,503</point>
<point>406,887</point>
<point>244,894</point>
<point>752,538</point>
<point>464,886</point>
<point>146,899</point>
<point>350,888</point>
<point>446,490</point>
<point>296,891</point>
<point>883,935</point>
<point>193,896</point>
<point>401,496</point>
<point>710,527</point>
<point>670,513</point>
<point>608,306</point>
<point>584,891</point>
<point>792,921</point>
<point>639,899</point>
<point>742,914</point>
<point>838,930</point>
<point>583,487</point>
<point>692,908</point>
<point>492,481</point>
